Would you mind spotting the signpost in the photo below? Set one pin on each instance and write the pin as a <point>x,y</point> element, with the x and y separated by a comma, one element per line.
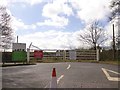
<point>19,52</point>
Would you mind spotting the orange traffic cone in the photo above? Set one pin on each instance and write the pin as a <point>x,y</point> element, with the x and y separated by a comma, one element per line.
<point>54,79</point>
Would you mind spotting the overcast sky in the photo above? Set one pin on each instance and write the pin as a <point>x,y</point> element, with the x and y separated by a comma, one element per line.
<point>55,24</point>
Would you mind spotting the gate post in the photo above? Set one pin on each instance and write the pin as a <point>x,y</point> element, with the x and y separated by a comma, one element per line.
<point>98,54</point>
<point>28,55</point>
<point>64,54</point>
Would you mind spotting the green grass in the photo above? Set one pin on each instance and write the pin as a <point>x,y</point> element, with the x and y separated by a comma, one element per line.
<point>110,62</point>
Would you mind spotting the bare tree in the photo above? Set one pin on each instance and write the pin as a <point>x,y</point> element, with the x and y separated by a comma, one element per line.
<point>115,9</point>
<point>5,28</point>
<point>115,14</point>
<point>94,35</point>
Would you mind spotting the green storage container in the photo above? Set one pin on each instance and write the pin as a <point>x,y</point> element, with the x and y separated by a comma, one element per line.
<point>19,56</point>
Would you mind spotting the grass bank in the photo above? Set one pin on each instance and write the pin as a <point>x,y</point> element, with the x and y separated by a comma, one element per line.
<point>115,62</point>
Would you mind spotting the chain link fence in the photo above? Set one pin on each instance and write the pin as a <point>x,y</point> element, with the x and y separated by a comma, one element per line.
<point>108,55</point>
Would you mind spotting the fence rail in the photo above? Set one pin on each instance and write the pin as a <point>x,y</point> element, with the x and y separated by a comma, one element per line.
<point>62,54</point>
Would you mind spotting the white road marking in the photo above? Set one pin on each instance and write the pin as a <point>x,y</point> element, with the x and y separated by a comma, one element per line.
<point>60,78</point>
<point>47,85</point>
<point>69,66</point>
<point>113,71</point>
<point>109,77</point>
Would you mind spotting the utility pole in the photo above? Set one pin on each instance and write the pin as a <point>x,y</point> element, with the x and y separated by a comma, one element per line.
<point>17,39</point>
<point>113,43</point>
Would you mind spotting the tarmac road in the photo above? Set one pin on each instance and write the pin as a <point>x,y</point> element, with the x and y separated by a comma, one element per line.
<point>69,75</point>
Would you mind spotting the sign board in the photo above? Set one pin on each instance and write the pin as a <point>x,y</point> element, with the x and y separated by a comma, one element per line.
<point>38,54</point>
<point>72,55</point>
<point>19,46</point>
<point>58,53</point>
<point>19,56</point>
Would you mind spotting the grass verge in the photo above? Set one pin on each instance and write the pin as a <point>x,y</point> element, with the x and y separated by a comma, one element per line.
<point>33,62</point>
<point>115,62</point>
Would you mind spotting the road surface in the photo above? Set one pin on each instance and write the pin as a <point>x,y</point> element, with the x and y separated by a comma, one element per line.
<point>69,75</point>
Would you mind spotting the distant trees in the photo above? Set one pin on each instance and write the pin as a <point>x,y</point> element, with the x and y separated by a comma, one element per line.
<point>94,35</point>
<point>5,29</point>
